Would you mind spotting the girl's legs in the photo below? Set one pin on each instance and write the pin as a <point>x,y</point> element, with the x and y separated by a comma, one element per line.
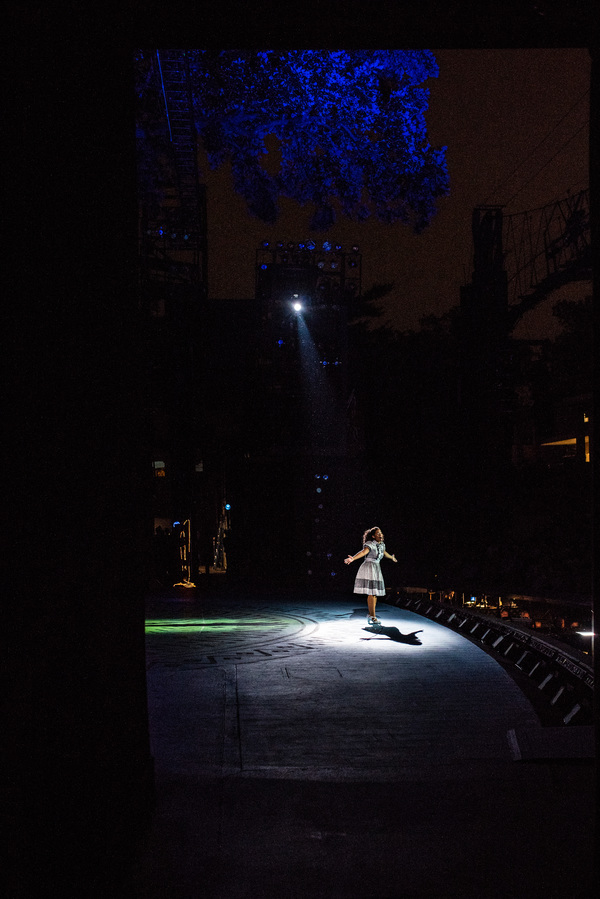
<point>371,603</point>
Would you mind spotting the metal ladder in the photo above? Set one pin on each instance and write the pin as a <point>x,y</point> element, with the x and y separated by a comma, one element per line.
<point>174,70</point>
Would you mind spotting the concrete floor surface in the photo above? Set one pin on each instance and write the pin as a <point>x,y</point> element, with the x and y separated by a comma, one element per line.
<point>298,755</point>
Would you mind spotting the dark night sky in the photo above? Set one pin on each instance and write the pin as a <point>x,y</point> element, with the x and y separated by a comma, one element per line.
<point>497,111</point>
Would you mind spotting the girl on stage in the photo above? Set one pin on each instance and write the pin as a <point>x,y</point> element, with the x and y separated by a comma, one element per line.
<point>369,579</point>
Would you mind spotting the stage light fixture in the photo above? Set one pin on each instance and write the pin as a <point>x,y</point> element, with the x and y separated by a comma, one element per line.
<point>297,307</point>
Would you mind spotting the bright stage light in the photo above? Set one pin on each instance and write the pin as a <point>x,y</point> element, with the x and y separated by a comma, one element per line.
<point>297,307</point>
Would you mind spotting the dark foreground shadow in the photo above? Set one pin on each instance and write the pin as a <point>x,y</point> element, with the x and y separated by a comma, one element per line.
<point>394,634</point>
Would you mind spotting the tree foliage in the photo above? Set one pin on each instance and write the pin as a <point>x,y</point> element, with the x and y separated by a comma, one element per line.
<point>343,128</point>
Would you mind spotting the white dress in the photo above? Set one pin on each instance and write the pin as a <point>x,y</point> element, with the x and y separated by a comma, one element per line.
<point>369,579</point>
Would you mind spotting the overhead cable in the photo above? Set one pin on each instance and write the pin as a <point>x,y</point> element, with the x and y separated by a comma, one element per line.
<point>560,149</point>
<point>536,148</point>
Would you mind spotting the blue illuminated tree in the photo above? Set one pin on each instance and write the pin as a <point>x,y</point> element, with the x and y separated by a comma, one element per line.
<point>324,127</point>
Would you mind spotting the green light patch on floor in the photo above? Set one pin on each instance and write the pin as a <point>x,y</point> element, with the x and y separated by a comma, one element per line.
<point>206,625</point>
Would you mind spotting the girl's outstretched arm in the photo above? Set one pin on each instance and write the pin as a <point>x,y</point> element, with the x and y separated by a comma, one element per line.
<point>359,555</point>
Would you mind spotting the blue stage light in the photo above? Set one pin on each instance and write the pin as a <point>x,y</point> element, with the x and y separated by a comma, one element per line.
<point>228,506</point>
<point>297,307</point>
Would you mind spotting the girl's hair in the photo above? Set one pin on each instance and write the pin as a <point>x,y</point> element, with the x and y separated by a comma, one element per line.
<point>369,535</point>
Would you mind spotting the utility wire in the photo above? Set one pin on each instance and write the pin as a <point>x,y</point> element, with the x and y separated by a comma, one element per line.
<point>536,148</point>
<point>164,93</point>
<point>560,149</point>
